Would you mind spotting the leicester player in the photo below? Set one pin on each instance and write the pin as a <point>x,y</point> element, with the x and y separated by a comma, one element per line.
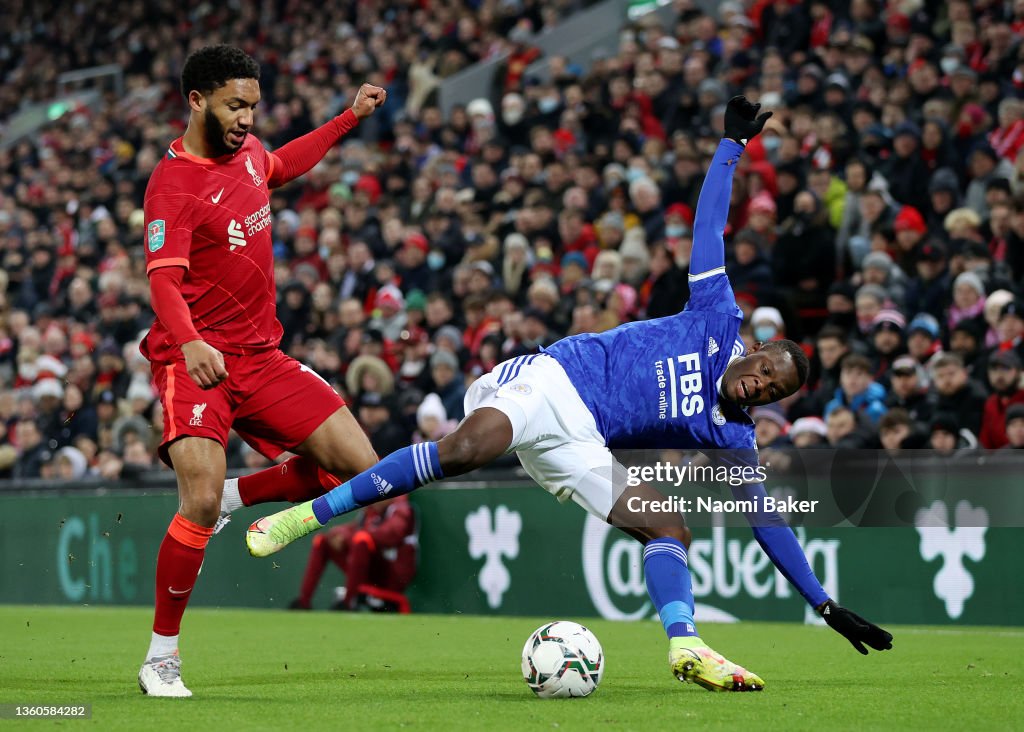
<point>680,381</point>
<point>214,346</point>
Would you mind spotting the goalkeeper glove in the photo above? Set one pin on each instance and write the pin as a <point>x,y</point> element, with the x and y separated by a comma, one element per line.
<point>854,628</point>
<point>741,120</point>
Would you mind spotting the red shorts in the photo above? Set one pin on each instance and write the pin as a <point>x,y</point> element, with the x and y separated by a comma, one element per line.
<point>271,400</point>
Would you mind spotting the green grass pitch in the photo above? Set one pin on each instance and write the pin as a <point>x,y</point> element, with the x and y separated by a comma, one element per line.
<point>278,670</point>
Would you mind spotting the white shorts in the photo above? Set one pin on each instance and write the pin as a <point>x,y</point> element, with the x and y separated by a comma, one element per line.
<point>553,433</point>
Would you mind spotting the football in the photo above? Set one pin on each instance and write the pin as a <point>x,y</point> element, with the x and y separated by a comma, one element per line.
<point>562,659</point>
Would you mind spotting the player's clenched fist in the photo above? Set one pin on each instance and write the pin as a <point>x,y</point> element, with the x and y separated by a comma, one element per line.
<point>204,363</point>
<point>368,98</point>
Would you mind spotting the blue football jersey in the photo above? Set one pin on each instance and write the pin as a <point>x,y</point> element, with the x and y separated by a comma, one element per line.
<point>654,383</point>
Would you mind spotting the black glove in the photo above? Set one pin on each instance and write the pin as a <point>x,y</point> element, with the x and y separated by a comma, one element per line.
<point>855,629</point>
<point>741,120</point>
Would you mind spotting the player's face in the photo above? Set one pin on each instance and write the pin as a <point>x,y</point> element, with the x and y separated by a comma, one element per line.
<point>229,115</point>
<point>761,378</point>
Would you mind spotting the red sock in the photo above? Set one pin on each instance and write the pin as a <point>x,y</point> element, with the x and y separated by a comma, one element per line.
<point>297,479</point>
<point>177,566</point>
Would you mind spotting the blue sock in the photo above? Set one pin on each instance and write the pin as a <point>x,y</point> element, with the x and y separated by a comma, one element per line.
<point>401,472</point>
<point>668,583</point>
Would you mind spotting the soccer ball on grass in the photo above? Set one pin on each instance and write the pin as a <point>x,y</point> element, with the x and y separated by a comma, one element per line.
<point>562,659</point>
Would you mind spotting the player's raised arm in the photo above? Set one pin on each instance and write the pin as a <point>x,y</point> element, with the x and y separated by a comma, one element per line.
<point>707,261</point>
<point>301,154</point>
<point>780,544</point>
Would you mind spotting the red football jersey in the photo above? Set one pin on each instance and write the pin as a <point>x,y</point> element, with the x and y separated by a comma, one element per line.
<point>212,216</point>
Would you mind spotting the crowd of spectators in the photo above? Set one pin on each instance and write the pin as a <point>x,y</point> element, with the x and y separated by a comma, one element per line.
<point>878,220</point>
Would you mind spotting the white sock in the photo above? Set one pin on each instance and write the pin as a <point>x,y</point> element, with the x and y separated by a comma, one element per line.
<point>231,501</point>
<point>162,645</point>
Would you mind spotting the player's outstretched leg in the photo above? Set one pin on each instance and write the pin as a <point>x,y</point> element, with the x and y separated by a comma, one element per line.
<point>667,575</point>
<point>296,479</point>
<point>483,436</point>
<point>400,472</point>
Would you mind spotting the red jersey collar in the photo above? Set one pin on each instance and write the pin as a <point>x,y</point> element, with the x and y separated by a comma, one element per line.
<point>177,150</point>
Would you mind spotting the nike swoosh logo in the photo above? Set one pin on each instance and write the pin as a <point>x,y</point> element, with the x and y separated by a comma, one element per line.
<point>178,592</point>
<point>216,199</point>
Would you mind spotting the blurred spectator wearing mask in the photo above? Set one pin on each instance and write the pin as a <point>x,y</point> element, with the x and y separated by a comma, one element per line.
<point>767,324</point>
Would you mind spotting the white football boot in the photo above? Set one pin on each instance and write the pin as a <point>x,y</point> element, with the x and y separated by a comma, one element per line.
<point>161,676</point>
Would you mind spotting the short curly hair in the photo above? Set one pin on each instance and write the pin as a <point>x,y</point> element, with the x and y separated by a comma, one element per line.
<point>796,353</point>
<point>211,67</point>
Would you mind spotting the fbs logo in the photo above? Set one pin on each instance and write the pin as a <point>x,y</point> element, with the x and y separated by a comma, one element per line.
<point>679,386</point>
<point>235,235</point>
<point>494,540</point>
<point>953,584</point>
<point>197,415</point>
<point>383,486</point>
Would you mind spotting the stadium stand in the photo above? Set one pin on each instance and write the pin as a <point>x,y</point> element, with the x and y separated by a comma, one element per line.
<point>879,219</point>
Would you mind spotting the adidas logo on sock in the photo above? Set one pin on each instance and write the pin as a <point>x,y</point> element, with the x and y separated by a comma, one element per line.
<point>712,346</point>
<point>383,486</point>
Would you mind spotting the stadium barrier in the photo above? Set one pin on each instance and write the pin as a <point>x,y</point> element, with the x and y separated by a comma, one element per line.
<point>506,547</point>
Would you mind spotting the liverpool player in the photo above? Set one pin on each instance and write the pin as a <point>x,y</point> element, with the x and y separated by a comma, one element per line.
<point>214,345</point>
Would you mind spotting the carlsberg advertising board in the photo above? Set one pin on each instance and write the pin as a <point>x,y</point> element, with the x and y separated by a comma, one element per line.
<point>515,550</point>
